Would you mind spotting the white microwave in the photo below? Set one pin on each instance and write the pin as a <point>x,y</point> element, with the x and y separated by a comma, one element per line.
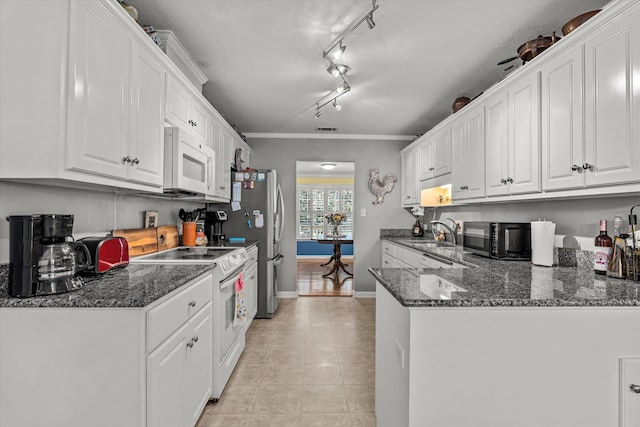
<point>189,165</point>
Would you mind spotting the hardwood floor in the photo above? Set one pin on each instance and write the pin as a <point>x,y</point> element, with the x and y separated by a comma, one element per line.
<point>311,282</point>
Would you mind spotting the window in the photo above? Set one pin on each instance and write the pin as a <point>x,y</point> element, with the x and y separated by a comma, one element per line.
<point>315,201</point>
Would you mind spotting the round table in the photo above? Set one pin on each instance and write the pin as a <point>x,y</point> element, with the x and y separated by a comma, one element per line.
<point>337,263</point>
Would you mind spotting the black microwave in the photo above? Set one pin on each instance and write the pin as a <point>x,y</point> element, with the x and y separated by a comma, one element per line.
<point>500,240</point>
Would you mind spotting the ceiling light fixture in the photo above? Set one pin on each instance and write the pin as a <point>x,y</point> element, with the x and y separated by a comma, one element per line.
<point>328,166</point>
<point>336,70</point>
<point>368,16</point>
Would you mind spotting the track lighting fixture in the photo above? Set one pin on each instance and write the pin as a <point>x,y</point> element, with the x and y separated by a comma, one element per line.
<point>368,16</point>
<point>340,70</point>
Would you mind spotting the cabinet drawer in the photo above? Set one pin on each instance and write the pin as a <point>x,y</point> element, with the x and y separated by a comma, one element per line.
<point>167,317</point>
<point>412,258</point>
<point>389,249</point>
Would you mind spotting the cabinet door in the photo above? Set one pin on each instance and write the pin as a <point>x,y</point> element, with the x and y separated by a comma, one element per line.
<point>441,153</point>
<point>409,170</point>
<point>147,127</point>
<point>459,146</point>
<point>562,110</point>
<point>475,154</point>
<point>200,361</point>
<point>200,119</point>
<point>99,95</point>
<point>496,142</point>
<point>524,135</point>
<point>612,102</point>
<point>226,154</point>
<point>178,104</point>
<point>166,381</point>
<point>468,161</point>
<point>425,159</point>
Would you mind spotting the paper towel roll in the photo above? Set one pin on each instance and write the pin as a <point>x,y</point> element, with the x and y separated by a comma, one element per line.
<point>542,233</point>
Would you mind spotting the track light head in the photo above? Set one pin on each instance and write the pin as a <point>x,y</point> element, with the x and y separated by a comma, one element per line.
<point>344,87</point>
<point>337,54</point>
<point>337,70</point>
<point>370,23</point>
<point>337,106</point>
<point>318,113</point>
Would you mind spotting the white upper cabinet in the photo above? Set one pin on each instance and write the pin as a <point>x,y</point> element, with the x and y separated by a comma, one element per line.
<point>147,130</point>
<point>562,122</point>
<point>185,110</point>
<point>409,172</point>
<point>496,144</point>
<point>100,113</point>
<point>524,135</point>
<point>99,98</point>
<point>513,138</point>
<point>467,142</point>
<point>435,154</point>
<point>612,101</point>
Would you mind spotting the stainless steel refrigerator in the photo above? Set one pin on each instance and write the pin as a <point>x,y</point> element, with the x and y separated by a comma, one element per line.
<point>265,198</point>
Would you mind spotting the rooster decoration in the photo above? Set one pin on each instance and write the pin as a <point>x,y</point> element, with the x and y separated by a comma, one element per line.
<point>379,189</point>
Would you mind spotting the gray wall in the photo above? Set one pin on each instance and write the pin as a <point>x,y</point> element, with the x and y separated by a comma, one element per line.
<point>383,155</point>
<point>95,213</point>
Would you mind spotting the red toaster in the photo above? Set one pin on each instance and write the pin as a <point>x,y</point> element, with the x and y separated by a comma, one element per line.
<point>106,253</point>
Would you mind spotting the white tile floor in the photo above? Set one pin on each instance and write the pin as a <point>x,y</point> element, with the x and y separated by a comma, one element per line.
<point>311,365</point>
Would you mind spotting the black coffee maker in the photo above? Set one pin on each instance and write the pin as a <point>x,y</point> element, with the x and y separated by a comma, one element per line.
<point>213,221</point>
<point>42,261</point>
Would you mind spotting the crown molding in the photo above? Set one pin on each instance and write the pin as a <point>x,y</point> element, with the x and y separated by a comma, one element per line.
<point>328,136</point>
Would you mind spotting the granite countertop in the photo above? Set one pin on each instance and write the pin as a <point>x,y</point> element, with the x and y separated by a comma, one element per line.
<point>136,285</point>
<point>493,283</point>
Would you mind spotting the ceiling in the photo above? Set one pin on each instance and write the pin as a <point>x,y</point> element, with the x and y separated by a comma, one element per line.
<point>267,73</point>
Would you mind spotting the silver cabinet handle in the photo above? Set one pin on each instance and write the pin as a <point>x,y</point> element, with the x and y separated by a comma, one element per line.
<point>634,388</point>
<point>503,181</point>
<point>195,339</point>
<point>576,168</point>
<point>192,303</point>
<point>510,180</point>
<point>190,344</point>
<point>126,159</point>
<point>135,161</point>
<point>587,167</point>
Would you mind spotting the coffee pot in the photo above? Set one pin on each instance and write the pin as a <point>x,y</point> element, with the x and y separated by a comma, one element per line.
<point>42,260</point>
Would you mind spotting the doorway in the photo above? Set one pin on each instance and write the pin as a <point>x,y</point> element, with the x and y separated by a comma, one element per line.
<point>324,228</point>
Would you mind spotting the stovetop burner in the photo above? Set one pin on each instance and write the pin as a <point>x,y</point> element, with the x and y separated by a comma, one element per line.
<point>227,259</point>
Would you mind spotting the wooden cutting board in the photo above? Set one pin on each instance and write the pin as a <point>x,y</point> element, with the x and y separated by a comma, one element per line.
<point>141,240</point>
<point>167,236</point>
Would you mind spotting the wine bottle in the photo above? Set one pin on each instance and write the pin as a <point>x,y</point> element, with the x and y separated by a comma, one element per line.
<point>603,247</point>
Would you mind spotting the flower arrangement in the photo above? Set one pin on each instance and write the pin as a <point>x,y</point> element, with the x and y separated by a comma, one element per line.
<point>336,218</point>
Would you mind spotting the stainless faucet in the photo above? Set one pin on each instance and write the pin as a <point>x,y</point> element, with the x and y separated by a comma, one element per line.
<point>454,235</point>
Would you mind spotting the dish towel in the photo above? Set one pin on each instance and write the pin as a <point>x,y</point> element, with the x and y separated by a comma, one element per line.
<point>241,307</point>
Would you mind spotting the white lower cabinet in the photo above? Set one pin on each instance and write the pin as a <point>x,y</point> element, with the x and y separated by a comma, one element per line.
<point>179,374</point>
<point>138,367</point>
<point>397,256</point>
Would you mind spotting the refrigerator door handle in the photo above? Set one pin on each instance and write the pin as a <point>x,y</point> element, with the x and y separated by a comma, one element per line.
<point>280,214</point>
<point>278,260</point>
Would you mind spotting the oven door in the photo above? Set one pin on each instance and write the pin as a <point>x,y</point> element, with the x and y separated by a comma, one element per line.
<point>228,332</point>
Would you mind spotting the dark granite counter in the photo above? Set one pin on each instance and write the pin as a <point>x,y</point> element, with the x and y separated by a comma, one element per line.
<point>136,285</point>
<point>492,283</point>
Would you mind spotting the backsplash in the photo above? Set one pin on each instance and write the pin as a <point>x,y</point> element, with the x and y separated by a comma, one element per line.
<point>4,276</point>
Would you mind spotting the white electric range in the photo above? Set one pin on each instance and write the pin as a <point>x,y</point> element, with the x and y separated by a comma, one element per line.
<point>228,336</point>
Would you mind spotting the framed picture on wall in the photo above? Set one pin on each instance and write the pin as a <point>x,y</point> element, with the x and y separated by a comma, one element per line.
<point>150,219</point>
